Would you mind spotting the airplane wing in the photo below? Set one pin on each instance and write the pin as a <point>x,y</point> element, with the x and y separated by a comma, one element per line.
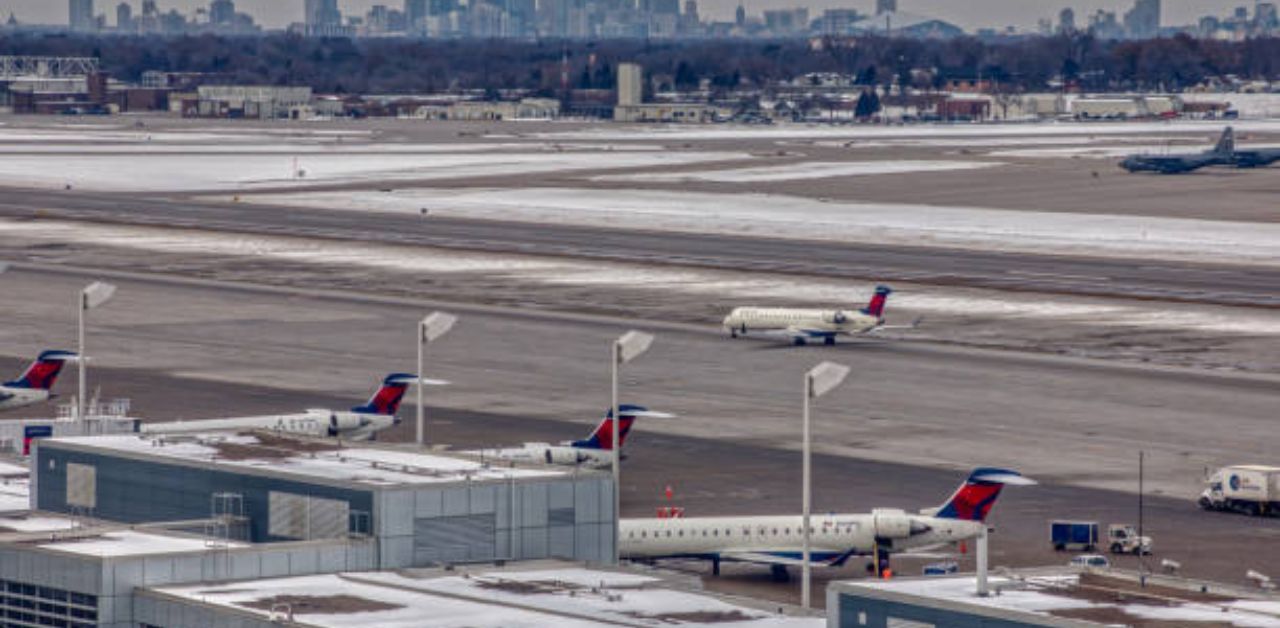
<point>914,324</point>
<point>788,558</point>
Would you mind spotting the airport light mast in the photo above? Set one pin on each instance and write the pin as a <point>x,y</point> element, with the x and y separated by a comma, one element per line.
<point>625,349</point>
<point>817,382</point>
<point>92,296</point>
<point>431,327</point>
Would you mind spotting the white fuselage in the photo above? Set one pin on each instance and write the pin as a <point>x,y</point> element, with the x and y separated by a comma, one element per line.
<point>347,425</point>
<point>746,320</point>
<point>783,536</point>
<point>547,453</point>
<point>11,398</point>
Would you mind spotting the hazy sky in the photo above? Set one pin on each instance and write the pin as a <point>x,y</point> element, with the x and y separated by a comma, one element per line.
<point>969,14</point>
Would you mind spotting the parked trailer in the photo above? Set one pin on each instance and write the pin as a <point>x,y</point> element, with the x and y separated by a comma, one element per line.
<point>1251,489</point>
<point>1076,536</point>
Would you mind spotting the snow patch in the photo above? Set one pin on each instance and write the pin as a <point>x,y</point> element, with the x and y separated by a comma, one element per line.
<point>808,170</point>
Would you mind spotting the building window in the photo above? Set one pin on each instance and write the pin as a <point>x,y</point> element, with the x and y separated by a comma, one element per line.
<point>25,604</point>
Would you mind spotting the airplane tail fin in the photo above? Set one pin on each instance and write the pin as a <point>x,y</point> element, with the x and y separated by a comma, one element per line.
<point>1227,143</point>
<point>974,499</point>
<point>878,300</point>
<point>602,436</point>
<point>387,399</point>
<point>44,371</point>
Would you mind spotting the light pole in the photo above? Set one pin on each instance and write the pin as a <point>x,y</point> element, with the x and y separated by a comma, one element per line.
<point>817,382</point>
<point>625,349</point>
<point>92,296</point>
<point>433,326</point>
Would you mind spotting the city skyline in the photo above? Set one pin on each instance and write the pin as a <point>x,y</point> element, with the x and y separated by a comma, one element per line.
<point>271,13</point>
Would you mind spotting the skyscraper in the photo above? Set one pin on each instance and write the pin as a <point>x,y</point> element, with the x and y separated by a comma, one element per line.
<point>124,17</point>
<point>1143,20</point>
<point>222,12</point>
<point>81,15</point>
<point>1067,20</point>
<point>415,12</point>
<point>322,17</point>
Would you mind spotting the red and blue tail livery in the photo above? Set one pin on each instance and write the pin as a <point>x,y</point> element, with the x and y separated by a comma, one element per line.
<point>974,499</point>
<point>387,399</point>
<point>878,300</point>
<point>602,437</point>
<point>43,372</point>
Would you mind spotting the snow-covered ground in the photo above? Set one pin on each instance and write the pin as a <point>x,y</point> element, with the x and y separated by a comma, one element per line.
<point>157,172</point>
<point>799,131</point>
<point>1111,152</point>
<point>997,141</point>
<point>797,217</point>
<point>534,270</point>
<point>800,171</point>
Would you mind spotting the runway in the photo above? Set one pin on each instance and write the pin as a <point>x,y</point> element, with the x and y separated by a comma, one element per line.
<point>1070,420</point>
<point>1219,284</point>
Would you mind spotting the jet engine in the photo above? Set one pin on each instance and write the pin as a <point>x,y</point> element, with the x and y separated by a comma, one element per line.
<point>892,523</point>
<point>343,422</point>
<point>564,455</point>
<point>838,317</point>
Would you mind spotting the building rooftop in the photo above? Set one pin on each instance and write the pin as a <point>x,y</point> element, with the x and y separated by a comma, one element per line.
<point>1112,598</point>
<point>532,595</point>
<point>315,459</point>
<point>91,538</point>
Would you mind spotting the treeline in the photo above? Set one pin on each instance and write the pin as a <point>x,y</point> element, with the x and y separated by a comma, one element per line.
<point>408,66</point>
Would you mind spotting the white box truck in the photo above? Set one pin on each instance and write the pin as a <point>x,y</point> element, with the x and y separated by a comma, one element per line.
<point>1251,489</point>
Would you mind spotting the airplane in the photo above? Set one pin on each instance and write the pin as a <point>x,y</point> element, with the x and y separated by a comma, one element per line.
<point>362,422</point>
<point>778,541</point>
<point>34,384</point>
<point>1255,157</point>
<point>1223,153</point>
<point>803,325</point>
<point>595,451</point>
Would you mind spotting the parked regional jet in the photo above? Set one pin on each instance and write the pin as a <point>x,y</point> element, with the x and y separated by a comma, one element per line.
<point>1223,153</point>
<point>34,384</point>
<point>803,325</point>
<point>595,451</point>
<point>360,423</point>
<point>778,541</point>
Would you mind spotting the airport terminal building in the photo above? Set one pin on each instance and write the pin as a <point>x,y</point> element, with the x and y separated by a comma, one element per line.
<point>419,509</point>
<point>116,514</point>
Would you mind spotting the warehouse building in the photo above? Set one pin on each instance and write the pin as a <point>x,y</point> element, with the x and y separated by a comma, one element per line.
<point>419,509</point>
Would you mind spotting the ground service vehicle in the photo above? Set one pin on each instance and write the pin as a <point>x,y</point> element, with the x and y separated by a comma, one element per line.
<point>1251,489</point>
<point>1074,535</point>
<point>1123,538</point>
<point>1097,561</point>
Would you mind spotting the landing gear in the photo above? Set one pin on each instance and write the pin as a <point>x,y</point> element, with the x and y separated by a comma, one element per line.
<point>715,566</point>
<point>798,341</point>
<point>779,573</point>
<point>829,341</point>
